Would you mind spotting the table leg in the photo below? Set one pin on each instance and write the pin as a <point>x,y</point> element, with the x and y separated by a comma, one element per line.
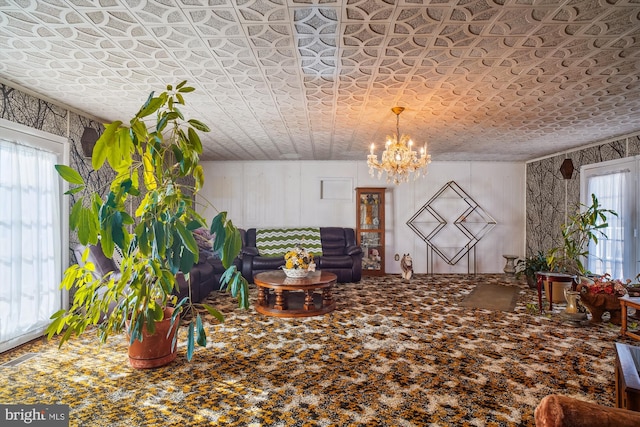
<point>327,298</point>
<point>280,303</point>
<point>308,301</point>
<point>262,298</point>
<point>539,283</point>
<point>623,326</point>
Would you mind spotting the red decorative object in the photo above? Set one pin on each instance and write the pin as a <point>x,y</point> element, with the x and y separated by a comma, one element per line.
<point>603,296</point>
<point>604,285</point>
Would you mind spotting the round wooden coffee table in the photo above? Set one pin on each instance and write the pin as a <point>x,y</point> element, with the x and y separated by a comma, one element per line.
<point>285,303</point>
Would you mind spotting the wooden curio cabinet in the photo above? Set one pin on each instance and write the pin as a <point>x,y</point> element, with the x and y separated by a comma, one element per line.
<point>370,229</point>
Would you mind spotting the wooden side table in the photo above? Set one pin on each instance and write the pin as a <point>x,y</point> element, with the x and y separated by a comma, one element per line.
<point>633,302</point>
<point>627,379</point>
<point>552,277</point>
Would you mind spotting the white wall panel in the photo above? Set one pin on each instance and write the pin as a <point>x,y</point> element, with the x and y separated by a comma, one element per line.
<point>288,193</point>
<point>223,196</point>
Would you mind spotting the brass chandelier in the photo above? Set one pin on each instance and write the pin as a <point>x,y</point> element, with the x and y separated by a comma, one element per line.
<point>398,159</point>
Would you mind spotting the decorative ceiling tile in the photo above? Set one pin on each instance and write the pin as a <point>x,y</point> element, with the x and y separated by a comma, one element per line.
<point>316,79</point>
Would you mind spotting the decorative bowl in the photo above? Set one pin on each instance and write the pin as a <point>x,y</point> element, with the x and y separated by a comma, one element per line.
<point>295,272</point>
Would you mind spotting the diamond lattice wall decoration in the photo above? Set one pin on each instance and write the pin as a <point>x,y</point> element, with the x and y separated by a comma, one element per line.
<point>451,223</point>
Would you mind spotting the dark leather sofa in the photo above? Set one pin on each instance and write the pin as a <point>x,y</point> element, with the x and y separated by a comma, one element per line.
<point>340,255</point>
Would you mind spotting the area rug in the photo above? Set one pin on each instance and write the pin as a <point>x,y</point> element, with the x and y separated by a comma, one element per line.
<point>394,353</point>
<point>492,297</point>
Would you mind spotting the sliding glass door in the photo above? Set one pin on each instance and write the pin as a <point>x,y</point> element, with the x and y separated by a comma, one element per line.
<point>614,183</point>
<point>31,235</point>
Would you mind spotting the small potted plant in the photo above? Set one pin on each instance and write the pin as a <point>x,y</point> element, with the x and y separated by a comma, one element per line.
<point>530,265</point>
<point>156,163</point>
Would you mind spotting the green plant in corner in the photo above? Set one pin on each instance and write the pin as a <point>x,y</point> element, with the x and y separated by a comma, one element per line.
<point>530,265</point>
<point>156,161</point>
<point>581,229</point>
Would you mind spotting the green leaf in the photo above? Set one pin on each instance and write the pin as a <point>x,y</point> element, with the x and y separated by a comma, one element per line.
<point>198,175</point>
<point>177,153</point>
<point>74,190</point>
<point>148,172</point>
<point>152,105</point>
<point>75,215</point>
<point>58,323</point>
<point>215,313</point>
<point>84,227</point>
<point>161,243</point>
<point>243,301</point>
<point>188,260</point>
<point>101,148</point>
<point>227,276</point>
<point>190,341</point>
<point>107,241</point>
<point>232,246</point>
<point>162,123</point>
<point>139,130</point>
<point>158,313</point>
<point>194,225</point>
<point>173,256</point>
<point>199,125</point>
<point>178,308</point>
<point>202,335</point>
<point>194,141</point>
<point>217,229</point>
<point>187,237</point>
<point>69,174</point>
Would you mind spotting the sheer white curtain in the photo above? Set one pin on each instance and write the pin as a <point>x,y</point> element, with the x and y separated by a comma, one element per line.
<point>607,256</point>
<point>30,242</point>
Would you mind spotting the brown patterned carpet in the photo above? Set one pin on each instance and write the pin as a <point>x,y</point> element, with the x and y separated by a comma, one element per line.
<point>392,354</point>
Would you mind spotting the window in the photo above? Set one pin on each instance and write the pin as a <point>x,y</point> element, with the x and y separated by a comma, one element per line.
<point>614,185</point>
<point>31,232</point>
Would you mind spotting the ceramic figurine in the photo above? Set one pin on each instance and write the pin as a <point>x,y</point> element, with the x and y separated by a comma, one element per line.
<point>406,263</point>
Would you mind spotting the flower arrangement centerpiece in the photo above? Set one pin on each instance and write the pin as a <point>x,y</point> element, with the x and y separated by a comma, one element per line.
<point>605,285</point>
<point>297,262</point>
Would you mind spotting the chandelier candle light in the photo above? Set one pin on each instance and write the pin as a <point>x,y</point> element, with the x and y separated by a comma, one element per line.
<point>398,158</point>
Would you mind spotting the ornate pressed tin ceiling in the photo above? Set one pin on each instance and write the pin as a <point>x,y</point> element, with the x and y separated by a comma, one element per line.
<point>316,79</point>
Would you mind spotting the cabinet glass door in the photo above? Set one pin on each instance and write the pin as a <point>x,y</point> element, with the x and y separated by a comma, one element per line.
<point>369,211</point>
<point>370,229</point>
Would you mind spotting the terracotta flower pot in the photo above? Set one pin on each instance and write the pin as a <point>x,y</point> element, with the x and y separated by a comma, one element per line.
<point>155,350</point>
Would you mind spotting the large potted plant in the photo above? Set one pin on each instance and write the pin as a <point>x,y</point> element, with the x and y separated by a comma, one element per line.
<point>156,163</point>
<point>582,228</point>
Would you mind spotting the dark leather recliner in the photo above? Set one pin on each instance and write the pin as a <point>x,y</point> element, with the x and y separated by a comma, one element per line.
<point>340,255</point>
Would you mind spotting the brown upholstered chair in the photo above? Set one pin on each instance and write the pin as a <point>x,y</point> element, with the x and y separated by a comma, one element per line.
<point>562,411</point>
